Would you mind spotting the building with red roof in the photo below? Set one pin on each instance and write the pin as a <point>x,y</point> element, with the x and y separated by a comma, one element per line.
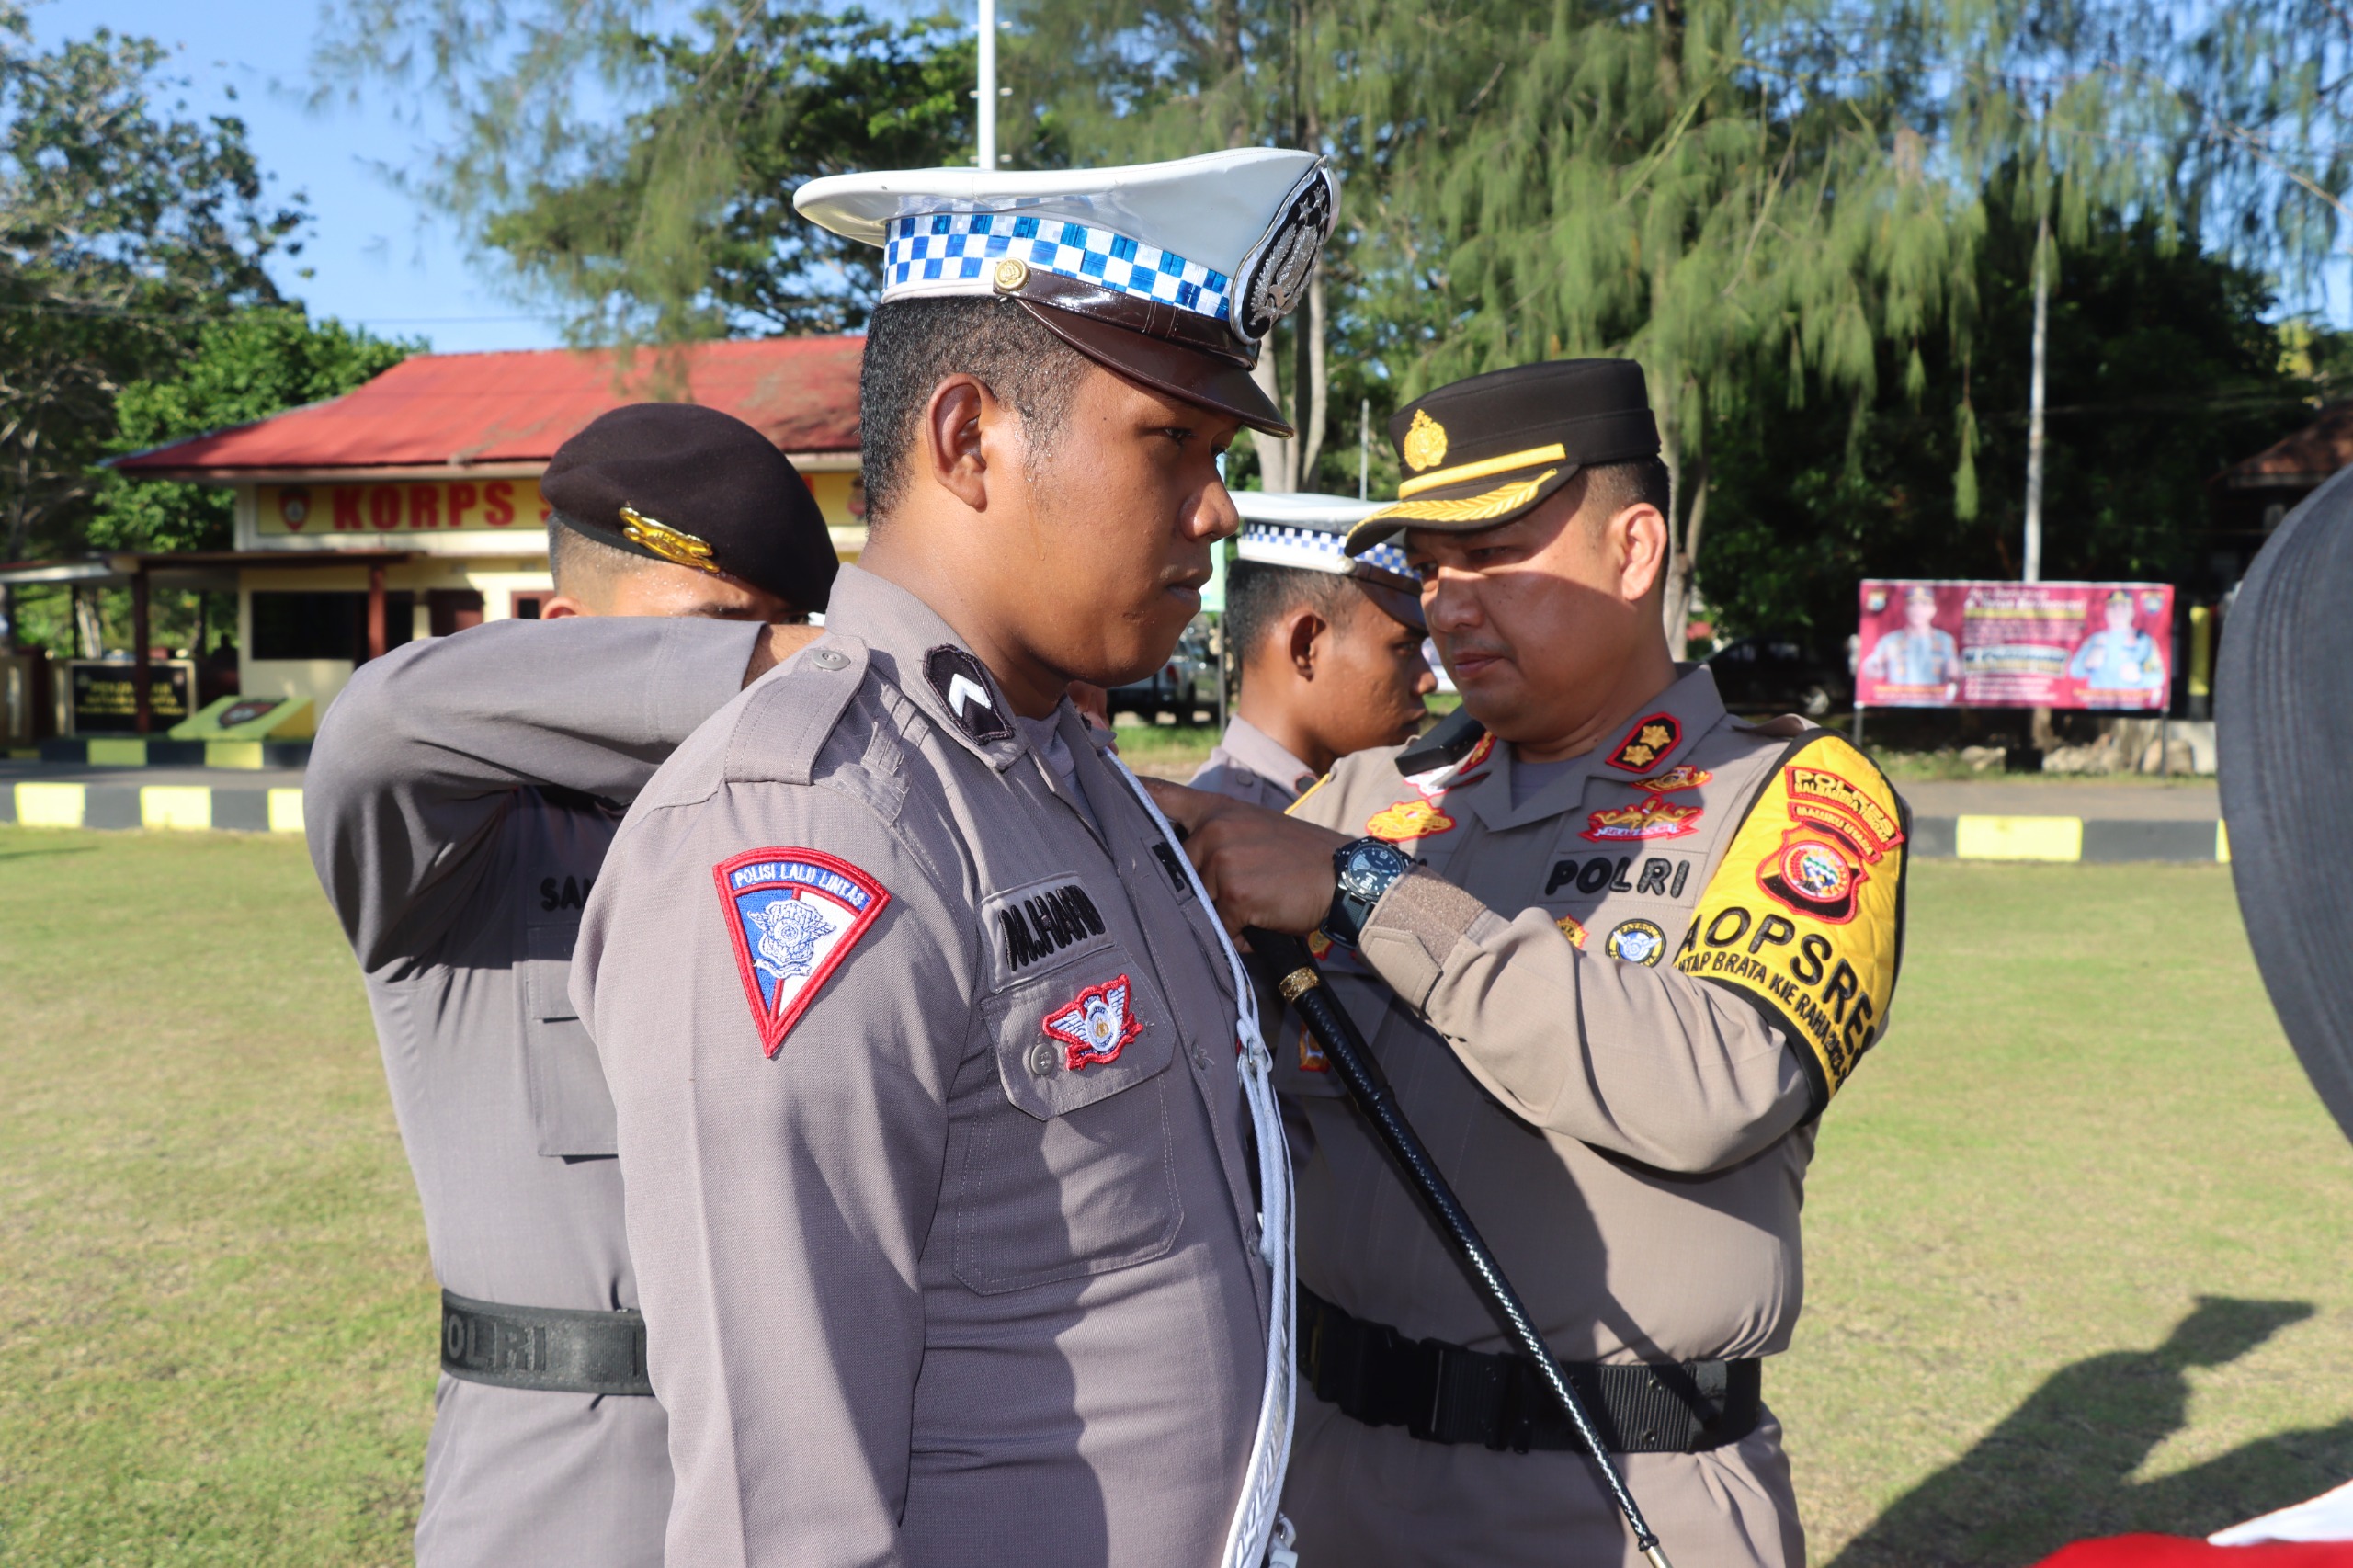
<point>410,506</point>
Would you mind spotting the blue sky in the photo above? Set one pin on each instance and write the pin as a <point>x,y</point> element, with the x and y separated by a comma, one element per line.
<point>378,258</point>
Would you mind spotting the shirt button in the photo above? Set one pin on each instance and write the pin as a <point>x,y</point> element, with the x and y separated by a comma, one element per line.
<point>826,659</point>
<point>1042,1060</point>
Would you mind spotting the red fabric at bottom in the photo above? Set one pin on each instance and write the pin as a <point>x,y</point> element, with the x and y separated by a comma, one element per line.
<point>2175,1552</point>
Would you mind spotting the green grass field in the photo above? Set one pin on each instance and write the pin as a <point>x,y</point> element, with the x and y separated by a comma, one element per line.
<point>2078,1233</point>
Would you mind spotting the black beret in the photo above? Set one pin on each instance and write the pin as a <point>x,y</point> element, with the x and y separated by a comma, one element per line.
<point>691,485</point>
<point>1482,451</point>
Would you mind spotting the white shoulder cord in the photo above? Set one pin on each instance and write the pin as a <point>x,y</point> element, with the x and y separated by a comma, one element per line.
<point>1257,1526</point>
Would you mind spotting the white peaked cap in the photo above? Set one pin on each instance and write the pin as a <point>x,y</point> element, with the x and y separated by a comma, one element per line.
<point>1169,273</point>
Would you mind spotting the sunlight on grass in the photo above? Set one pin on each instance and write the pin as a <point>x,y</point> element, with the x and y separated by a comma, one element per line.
<point>2077,1248</point>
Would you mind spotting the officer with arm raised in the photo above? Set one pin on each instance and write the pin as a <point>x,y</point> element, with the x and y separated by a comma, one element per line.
<point>1637,948</point>
<point>458,804</point>
<point>922,1041</point>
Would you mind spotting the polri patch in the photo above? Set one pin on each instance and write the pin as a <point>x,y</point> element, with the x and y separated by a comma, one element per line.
<point>793,915</point>
<point>1096,1025</point>
<point>1649,740</point>
<point>964,686</point>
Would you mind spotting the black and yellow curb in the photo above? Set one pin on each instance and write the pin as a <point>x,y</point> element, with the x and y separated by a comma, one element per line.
<point>2101,839</point>
<point>163,807</point>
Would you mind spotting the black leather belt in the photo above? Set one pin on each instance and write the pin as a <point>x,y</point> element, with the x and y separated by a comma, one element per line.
<point>1445,1394</point>
<point>554,1349</point>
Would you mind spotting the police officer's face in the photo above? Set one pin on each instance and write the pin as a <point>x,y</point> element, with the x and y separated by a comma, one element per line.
<point>1110,529</point>
<point>1370,680</point>
<point>1545,620</point>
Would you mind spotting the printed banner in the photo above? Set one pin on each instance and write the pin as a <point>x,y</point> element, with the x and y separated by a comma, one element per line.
<point>1990,644</point>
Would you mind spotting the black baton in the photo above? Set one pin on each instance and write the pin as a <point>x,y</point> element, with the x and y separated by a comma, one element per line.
<point>1303,986</point>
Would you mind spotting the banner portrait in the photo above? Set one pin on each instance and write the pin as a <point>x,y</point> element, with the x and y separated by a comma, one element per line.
<point>1999,644</point>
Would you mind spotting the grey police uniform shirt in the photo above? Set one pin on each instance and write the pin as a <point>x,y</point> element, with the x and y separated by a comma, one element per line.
<point>940,1189</point>
<point>458,804</point>
<point>1250,766</point>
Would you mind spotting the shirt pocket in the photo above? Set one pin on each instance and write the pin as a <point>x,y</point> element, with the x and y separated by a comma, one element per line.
<point>572,1110</point>
<point>1070,1171</point>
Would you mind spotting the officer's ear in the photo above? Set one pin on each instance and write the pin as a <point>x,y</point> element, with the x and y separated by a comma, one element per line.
<point>1636,540</point>
<point>1301,631</point>
<point>958,427</point>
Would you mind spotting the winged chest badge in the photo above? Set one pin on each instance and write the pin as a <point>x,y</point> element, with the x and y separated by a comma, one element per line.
<point>1096,1025</point>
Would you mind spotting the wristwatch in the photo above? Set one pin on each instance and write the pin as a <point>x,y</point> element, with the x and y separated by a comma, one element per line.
<point>1362,870</point>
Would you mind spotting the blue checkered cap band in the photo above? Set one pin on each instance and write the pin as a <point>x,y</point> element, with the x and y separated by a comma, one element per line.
<point>1278,544</point>
<point>953,253</point>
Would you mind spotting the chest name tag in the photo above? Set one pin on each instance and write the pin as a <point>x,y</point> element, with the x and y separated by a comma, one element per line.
<point>1805,916</point>
<point>1043,923</point>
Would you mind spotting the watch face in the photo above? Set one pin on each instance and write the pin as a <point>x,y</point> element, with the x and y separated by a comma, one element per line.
<point>1371,866</point>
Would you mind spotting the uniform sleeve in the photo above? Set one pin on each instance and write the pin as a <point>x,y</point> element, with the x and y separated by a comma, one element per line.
<point>1783,982</point>
<point>419,756</point>
<point>778,1205</point>
<point>1640,1061</point>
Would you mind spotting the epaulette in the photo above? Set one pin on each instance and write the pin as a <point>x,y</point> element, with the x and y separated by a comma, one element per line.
<point>1782,727</point>
<point>781,731</point>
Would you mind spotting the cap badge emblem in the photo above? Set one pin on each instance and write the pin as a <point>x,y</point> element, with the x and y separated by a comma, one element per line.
<point>671,544</point>
<point>1276,275</point>
<point>1425,441</point>
<point>1011,274</point>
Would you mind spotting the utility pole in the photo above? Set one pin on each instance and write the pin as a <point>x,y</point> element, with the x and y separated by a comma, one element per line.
<point>2033,563</point>
<point>984,118</point>
<point>1364,447</point>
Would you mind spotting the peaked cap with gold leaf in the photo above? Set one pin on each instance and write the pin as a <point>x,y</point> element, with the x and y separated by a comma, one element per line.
<point>1482,451</point>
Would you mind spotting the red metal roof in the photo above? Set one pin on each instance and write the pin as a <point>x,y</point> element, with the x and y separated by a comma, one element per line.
<point>441,409</point>
<point>2300,461</point>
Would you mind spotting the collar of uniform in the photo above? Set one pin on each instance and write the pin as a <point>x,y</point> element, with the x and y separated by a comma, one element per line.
<point>899,631</point>
<point>1264,755</point>
<point>1692,702</point>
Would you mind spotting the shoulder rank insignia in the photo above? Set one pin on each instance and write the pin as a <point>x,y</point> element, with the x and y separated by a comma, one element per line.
<point>1409,820</point>
<point>964,686</point>
<point>1096,1025</point>
<point>1649,740</point>
<point>793,915</point>
<point>1804,916</point>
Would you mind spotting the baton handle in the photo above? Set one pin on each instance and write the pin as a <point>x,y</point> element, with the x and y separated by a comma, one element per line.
<point>1301,984</point>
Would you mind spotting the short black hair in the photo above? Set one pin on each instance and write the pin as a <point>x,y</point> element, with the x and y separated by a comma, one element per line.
<point>1611,488</point>
<point>1258,598</point>
<point>912,345</point>
<point>584,566</point>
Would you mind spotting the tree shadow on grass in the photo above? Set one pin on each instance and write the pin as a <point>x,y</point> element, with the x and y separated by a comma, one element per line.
<point>2059,1467</point>
<point>59,849</point>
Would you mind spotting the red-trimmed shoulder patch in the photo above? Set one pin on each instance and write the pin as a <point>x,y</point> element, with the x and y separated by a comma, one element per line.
<point>1096,1025</point>
<point>1649,740</point>
<point>793,915</point>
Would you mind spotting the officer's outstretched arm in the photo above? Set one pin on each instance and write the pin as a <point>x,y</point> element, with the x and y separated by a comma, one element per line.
<point>777,995</point>
<point>418,757</point>
<point>1782,982</point>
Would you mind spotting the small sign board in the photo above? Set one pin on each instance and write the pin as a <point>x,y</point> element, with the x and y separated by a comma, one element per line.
<point>250,719</point>
<point>105,695</point>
